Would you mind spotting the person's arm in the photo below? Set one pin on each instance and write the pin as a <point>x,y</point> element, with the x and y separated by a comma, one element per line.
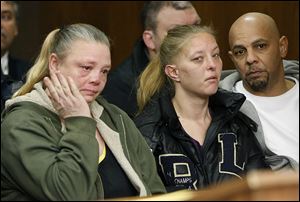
<point>45,163</point>
<point>256,158</point>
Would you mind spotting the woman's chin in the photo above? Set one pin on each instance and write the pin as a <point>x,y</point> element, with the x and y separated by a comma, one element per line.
<point>89,98</point>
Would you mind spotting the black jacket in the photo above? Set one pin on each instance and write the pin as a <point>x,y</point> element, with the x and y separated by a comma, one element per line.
<point>121,86</point>
<point>182,162</point>
<point>14,80</point>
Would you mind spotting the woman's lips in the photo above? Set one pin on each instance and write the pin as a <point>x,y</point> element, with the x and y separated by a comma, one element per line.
<point>89,92</point>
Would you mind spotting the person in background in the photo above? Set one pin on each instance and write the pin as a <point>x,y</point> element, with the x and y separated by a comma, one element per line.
<point>270,84</point>
<point>195,130</point>
<point>13,70</point>
<point>157,17</point>
<point>58,142</point>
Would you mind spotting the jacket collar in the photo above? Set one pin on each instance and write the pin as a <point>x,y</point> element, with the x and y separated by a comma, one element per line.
<point>222,105</point>
<point>225,104</point>
<point>168,112</point>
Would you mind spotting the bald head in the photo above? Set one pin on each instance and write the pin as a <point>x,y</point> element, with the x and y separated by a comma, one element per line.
<point>257,50</point>
<point>253,22</point>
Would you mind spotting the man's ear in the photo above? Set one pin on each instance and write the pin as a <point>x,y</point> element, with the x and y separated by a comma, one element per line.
<point>172,72</point>
<point>53,62</point>
<point>148,37</point>
<point>283,46</point>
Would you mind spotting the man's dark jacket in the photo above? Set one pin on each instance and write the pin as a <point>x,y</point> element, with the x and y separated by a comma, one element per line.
<point>14,80</point>
<point>121,86</point>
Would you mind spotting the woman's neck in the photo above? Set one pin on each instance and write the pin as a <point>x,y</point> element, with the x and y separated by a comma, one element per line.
<point>194,116</point>
<point>191,108</point>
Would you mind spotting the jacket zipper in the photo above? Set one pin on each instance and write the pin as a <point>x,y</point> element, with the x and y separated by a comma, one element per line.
<point>205,150</point>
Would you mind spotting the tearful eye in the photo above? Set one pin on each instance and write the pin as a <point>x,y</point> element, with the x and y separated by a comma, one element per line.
<point>198,59</point>
<point>105,71</point>
<point>86,68</point>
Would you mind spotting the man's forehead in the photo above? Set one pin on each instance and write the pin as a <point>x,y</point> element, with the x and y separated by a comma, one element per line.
<point>6,6</point>
<point>171,17</point>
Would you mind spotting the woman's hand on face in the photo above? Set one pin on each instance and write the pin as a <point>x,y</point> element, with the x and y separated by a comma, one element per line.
<point>65,96</point>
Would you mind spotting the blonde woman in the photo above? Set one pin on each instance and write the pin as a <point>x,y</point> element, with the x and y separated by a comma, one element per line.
<point>195,131</point>
<point>61,143</point>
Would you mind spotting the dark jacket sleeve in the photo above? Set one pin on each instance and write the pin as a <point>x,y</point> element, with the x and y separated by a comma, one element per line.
<point>148,122</point>
<point>255,155</point>
<point>256,158</point>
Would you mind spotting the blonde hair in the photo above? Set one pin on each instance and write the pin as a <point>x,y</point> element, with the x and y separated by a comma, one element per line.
<point>59,41</point>
<point>153,77</point>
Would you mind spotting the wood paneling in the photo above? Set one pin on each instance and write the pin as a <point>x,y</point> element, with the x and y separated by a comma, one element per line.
<point>256,186</point>
<point>120,20</point>
<point>223,13</point>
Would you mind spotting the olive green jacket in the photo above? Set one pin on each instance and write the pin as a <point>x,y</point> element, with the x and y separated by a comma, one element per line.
<point>44,158</point>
